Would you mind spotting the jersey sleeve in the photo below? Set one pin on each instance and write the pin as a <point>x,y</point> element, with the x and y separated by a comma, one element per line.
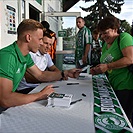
<point>7,66</point>
<point>30,61</point>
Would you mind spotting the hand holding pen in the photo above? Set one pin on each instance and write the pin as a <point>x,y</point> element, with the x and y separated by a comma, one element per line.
<point>74,73</point>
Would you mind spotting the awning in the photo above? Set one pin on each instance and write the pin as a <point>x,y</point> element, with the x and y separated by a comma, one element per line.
<point>67,4</point>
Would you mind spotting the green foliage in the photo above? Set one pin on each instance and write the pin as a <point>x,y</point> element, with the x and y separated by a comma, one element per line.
<point>102,8</point>
<point>125,26</point>
<point>69,41</point>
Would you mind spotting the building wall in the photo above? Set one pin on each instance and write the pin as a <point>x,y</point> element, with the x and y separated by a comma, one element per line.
<point>34,4</point>
<point>21,7</point>
<point>54,7</point>
<point>55,22</point>
<point>8,22</point>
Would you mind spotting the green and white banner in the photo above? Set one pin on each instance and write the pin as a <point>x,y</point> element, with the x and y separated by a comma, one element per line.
<point>109,117</point>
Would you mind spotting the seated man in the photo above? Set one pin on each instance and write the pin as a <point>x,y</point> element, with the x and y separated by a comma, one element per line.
<point>52,50</point>
<point>15,61</point>
<point>43,61</point>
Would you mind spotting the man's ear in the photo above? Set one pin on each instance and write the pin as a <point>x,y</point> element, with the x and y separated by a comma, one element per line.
<point>27,37</point>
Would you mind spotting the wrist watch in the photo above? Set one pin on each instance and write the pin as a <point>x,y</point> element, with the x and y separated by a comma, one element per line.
<point>62,74</point>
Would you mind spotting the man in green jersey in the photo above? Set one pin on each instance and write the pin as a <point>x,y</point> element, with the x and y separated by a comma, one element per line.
<point>15,60</point>
<point>83,44</point>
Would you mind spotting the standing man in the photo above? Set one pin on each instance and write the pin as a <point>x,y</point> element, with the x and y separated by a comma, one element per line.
<point>83,44</point>
<point>15,61</point>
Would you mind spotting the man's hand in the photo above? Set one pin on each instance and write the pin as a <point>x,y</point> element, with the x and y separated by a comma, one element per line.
<point>72,73</point>
<point>84,59</point>
<point>44,93</point>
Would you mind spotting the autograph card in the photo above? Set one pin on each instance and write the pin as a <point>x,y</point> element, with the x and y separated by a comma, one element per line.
<point>56,95</point>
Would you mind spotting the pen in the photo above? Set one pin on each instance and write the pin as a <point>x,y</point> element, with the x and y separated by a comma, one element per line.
<point>55,87</point>
<point>85,68</point>
<point>72,83</point>
<point>75,101</point>
<point>83,95</point>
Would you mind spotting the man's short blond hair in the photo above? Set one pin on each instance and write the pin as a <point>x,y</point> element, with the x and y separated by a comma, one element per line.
<point>28,25</point>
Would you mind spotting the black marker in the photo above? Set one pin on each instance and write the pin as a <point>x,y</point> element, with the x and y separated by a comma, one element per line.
<point>75,101</point>
<point>55,87</point>
<point>72,83</point>
<point>83,95</point>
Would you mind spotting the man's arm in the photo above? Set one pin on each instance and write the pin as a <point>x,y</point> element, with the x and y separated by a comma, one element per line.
<point>87,49</point>
<point>43,76</point>
<point>53,68</point>
<point>31,79</point>
<point>48,76</point>
<point>10,99</point>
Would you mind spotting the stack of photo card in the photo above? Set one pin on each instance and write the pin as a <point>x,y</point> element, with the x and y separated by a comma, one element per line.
<point>60,100</point>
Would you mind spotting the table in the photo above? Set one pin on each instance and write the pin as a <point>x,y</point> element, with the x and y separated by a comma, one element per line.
<point>37,118</point>
<point>99,111</point>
